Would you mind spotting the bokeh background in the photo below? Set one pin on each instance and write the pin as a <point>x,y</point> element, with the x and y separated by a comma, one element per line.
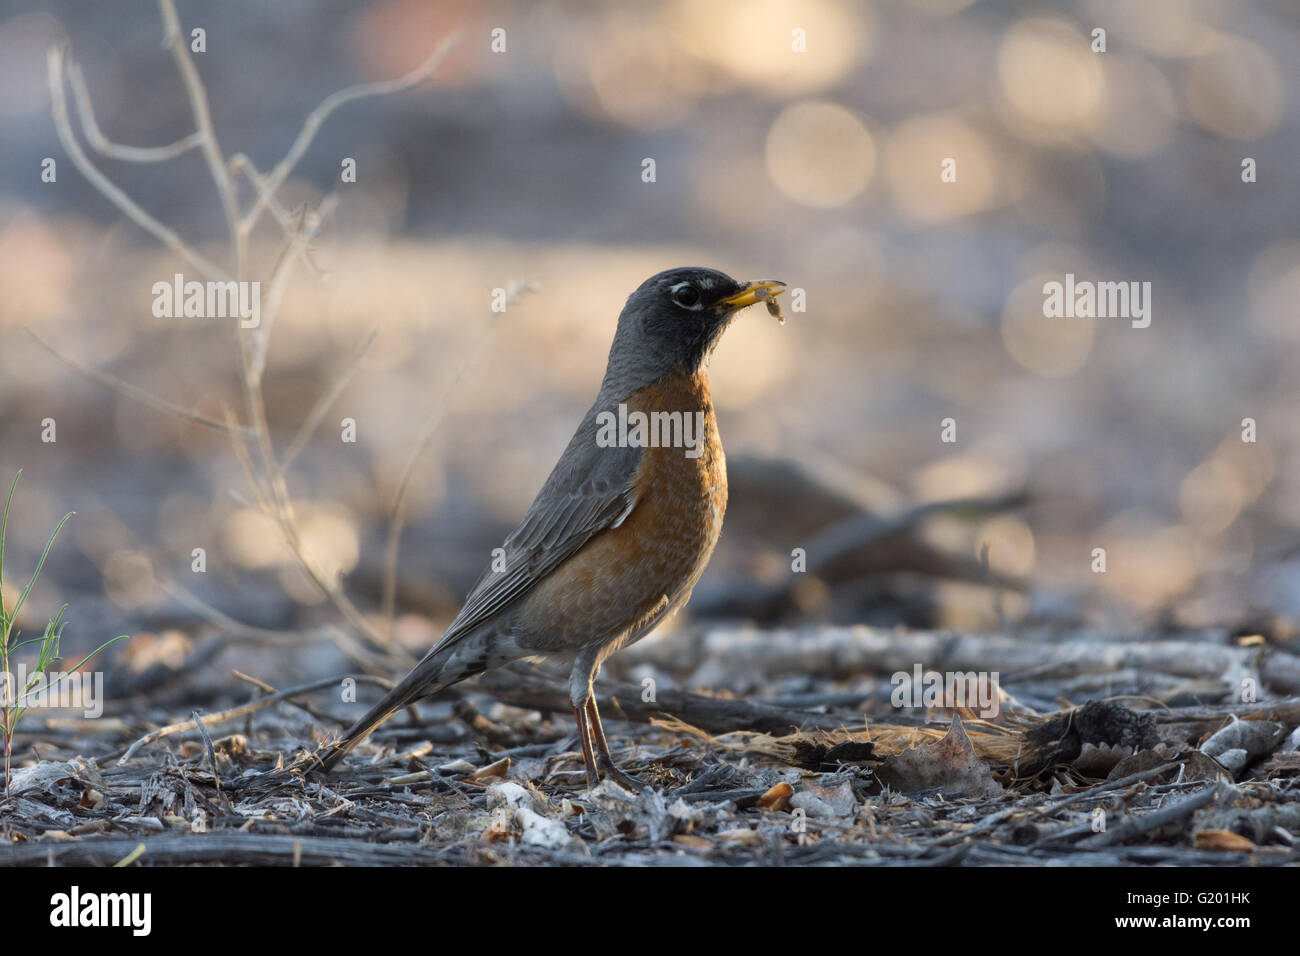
<point>820,168</point>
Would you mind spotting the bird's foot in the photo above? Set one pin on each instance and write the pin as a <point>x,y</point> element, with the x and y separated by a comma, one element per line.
<point>624,780</point>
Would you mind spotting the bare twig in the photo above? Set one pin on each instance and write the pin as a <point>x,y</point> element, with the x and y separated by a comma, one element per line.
<point>397,513</point>
<point>323,403</point>
<point>131,391</point>
<point>237,630</point>
<point>1154,820</point>
<point>212,754</point>
<point>208,144</point>
<point>265,476</point>
<point>244,709</point>
<point>103,145</point>
<point>239,163</point>
<point>132,210</point>
<point>332,102</point>
<point>266,688</point>
<point>299,240</point>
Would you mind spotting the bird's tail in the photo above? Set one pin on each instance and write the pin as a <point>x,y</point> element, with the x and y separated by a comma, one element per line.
<point>439,669</point>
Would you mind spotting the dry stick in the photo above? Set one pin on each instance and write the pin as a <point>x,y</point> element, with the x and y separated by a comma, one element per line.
<point>198,100</point>
<point>236,629</point>
<point>991,823</point>
<point>346,608</point>
<point>861,648</point>
<point>239,229</point>
<point>266,688</point>
<point>239,163</point>
<point>622,701</point>
<point>245,462</point>
<point>233,848</point>
<point>168,237</point>
<point>292,229</point>
<point>269,485</point>
<point>1153,820</point>
<point>1140,777</point>
<point>130,391</point>
<point>266,189</point>
<point>132,210</point>
<point>106,147</point>
<point>332,102</point>
<point>242,710</point>
<point>221,177</point>
<point>212,754</point>
<point>397,515</point>
<point>276,502</point>
<point>203,122</point>
<point>327,400</point>
<point>299,243</point>
<point>205,139</point>
<point>252,372</point>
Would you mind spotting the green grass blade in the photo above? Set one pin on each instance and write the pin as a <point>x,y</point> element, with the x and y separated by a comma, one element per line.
<point>4,527</point>
<point>41,564</point>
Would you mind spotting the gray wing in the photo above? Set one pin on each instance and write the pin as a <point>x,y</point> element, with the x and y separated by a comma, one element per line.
<point>589,490</point>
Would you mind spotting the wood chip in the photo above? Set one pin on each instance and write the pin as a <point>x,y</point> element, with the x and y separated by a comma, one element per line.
<point>743,835</point>
<point>776,798</point>
<point>1224,840</point>
<point>493,771</point>
<point>692,842</point>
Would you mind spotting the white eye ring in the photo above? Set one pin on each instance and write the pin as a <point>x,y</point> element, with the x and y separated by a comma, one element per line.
<point>681,287</point>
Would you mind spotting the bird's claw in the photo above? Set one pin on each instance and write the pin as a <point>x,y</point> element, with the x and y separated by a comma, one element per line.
<point>624,780</point>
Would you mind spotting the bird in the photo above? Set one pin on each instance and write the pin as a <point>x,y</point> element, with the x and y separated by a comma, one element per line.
<point>622,529</point>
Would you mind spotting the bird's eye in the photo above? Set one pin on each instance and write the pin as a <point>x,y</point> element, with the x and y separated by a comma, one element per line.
<point>687,296</point>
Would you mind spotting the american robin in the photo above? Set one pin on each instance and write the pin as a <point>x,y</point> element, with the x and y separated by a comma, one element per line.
<point>625,524</point>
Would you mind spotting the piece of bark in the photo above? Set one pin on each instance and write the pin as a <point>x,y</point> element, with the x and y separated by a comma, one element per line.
<point>1060,739</point>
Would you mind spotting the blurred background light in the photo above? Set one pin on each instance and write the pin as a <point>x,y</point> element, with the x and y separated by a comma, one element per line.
<point>819,154</point>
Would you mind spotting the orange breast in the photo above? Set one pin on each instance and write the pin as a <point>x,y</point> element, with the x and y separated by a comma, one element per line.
<point>626,574</point>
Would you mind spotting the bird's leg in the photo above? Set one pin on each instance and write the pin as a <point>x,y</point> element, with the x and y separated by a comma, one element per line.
<point>584,739</point>
<point>603,760</point>
<point>595,749</point>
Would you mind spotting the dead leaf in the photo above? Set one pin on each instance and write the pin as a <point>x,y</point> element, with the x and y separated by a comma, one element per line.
<point>949,765</point>
<point>1098,760</point>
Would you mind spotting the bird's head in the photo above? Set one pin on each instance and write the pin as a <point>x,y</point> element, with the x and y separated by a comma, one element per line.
<point>674,319</point>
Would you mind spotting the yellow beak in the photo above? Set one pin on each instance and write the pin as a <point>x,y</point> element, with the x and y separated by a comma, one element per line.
<point>760,290</point>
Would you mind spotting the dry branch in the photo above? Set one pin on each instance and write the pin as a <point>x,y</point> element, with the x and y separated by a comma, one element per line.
<point>855,650</point>
<point>623,701</point>
<point>243,710</point>
<point>264,473</point>
<point>132,209</point>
